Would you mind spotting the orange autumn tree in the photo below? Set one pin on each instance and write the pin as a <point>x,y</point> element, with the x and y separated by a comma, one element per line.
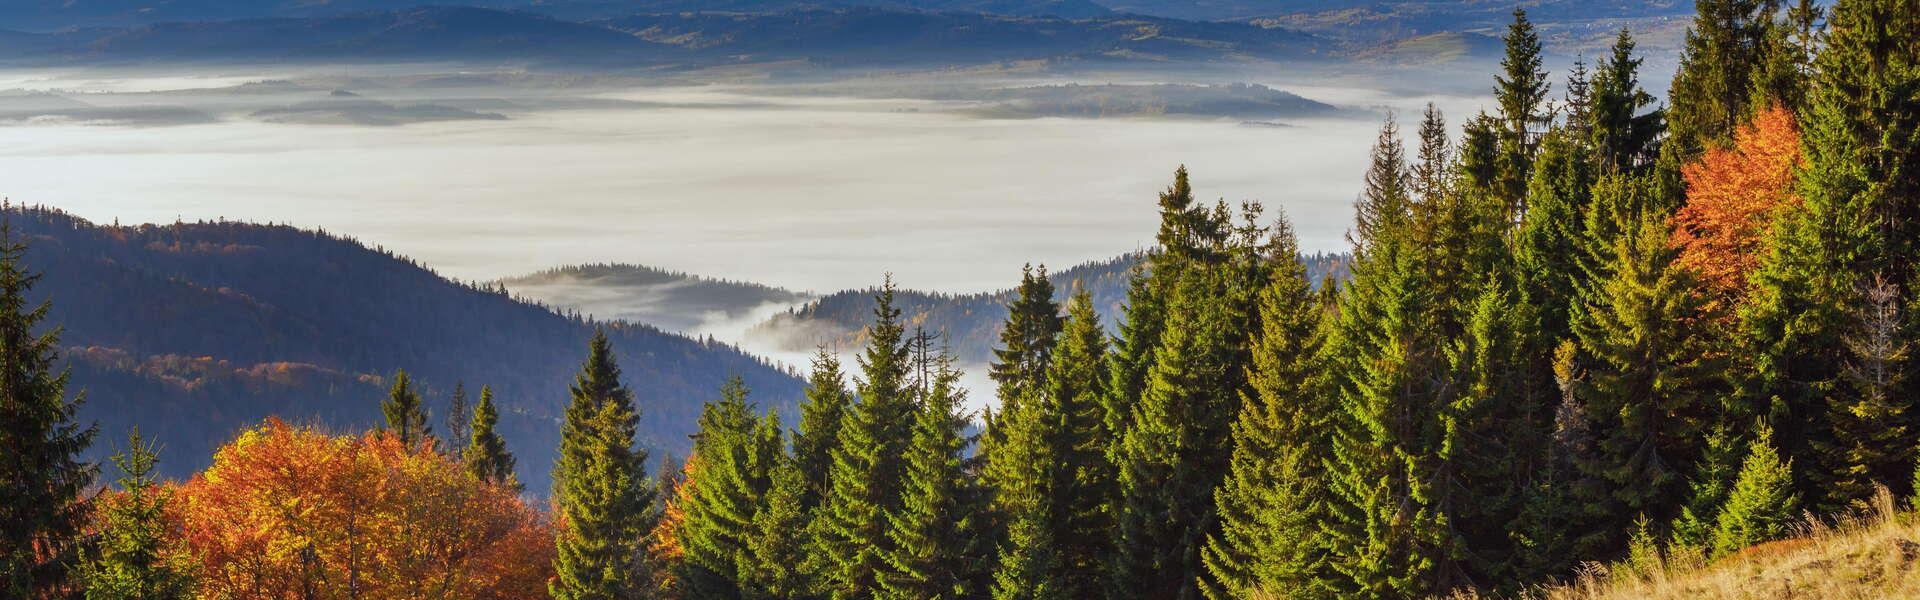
<point>290,512</point>
<point>1733,196</point>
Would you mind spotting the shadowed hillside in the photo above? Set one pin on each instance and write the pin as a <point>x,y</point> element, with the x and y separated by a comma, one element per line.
<point>195,330</point>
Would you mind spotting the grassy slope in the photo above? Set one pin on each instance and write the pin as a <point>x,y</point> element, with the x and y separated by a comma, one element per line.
<point>1872,555</point>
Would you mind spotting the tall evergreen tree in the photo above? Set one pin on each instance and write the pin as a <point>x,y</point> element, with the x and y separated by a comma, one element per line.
<point>459,419</point>
<point>825,407</point>
<point>137,557</point>
<point>486,454</point>
<point>1019,368</point>
<point>1273,497</point>
<point>1056,475</point>
<point>933,531</point>
<point>601,491</point>
<point>868,475</point>
<point>770,569</point>
<point>1649,382</point>
<point>1860,216</point>
<point>717,516</point>
<point>1710,94</point>
<point>1176,448</point>
<point>41,476</point>
<point>1521,91</point>
<point>406,416</point>
<point>1625,131</point>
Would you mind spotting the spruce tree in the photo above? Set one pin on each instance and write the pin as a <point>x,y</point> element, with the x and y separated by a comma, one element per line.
<point>1520,91</point>
<point>1019,368</point>
<point>1625,131</point>
<point>1549,246</point>
<point>1175,451</point>
<point>826,405</point>
<point>406,416</point>
<point>601,490</point>
<point>486,454</point>
<point>1649,383</point>
<point>1710,92</point>
<point>459,419</point>
<point>1762,506</point>
<point>868,474</point>
<point>718,514</point>
<point>1858,188</point>
<point>137,557</point>
<point>775,541</point>
<point>41,477</point>
<point>1273,495</point>
<point>933,531</point>
<point>1055,475</point>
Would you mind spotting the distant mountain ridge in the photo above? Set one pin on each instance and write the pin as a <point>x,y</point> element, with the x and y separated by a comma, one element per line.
<point>200,329</point>
<point>830,37</point>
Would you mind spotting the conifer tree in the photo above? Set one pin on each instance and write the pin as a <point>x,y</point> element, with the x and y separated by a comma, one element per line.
<point>1550,244</point>
<point>770,568</point>
<point>826,405</point>
<point>1858,187</point>
<point>1175,451</point>
<point>1710,91</point>
<point>1384,195</point>
<point>717,515</point>
<point>137,557</point>
<point>1055,475</point>
<point>1019,368</point>
<point>868,473</point>
<point>602,493</point>
<point>486,454</point>
<point>1144,318</point>
<point>1520,92</point>
<point>459,419</point>
<point>1648,384</point>
<point>1273,495</point>
<point>41,478</point>
<point>1625,133</point>
<point>933,531</point>
<point>406,416</point>
<point>1762,506</point>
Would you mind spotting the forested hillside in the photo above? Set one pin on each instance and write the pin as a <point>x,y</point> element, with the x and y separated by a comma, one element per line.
<point>194,331</point>
<point>971,323</point>
<point>1589,332</point>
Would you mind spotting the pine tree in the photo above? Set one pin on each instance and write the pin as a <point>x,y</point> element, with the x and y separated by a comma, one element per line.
<point>459,418</point>
<point>868,474</point>
<point>1549,246</point>
<point>602,494</point>
<point>1762,506</point>
<point>486,454</point>
<point>406,416</point>
<point>932,532</point>
<point>1273,495</point>
<point>1870,431</point>
<point>137,557</point>
<point>1384,195</point>
<point>41,478</point>
<point>821,413</point>
<point>1626,134</point>
<point>718,514</point>
<point>776,540</point>
<point>1858,187</point>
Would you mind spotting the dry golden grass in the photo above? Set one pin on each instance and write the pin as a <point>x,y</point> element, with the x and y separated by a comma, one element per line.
<point>1874,554</point>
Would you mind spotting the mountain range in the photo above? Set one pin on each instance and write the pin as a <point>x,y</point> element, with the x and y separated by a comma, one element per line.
<point>195,330</point>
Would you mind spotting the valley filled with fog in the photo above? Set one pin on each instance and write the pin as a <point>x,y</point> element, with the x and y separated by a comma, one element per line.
<point>743,181</point>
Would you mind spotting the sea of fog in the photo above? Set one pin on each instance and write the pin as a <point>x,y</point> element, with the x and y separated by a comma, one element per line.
<point>808,193</point>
